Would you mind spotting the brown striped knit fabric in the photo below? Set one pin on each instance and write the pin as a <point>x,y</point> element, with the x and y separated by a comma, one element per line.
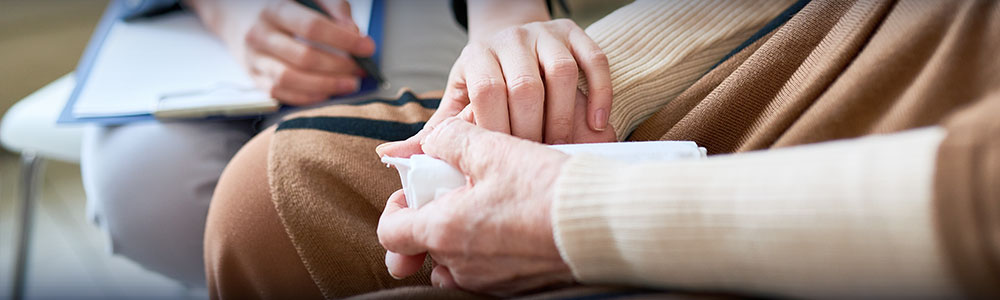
<point>967,194</point>
<point>329,188</point>
<point>844,69</point>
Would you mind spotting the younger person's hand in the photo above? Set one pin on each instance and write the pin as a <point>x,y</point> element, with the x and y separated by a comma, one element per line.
<point>270,39</point>
<point>580,133</point>
<point>522,80</point>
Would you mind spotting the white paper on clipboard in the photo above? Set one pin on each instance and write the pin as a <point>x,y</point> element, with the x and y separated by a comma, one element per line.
<point>168,58</point>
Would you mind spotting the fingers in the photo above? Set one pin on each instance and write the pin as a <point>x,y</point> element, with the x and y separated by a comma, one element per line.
<point>455,98</point>
<point>595,67</point>
<point>525,91</point>
<point>487,90</point>
<point>582,133</point>
<point>397,227</point>
<point>303,22</point>
<point>467,115</point>
<point>296,53</point>
<point>441,277</point>
<point>285,80</point>
<point>405,148</point>
<point>561,73</point>
<point>402,266</point>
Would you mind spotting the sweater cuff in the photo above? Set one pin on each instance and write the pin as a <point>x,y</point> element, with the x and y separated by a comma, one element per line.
<point>841,219</point>
<point>582,224</point>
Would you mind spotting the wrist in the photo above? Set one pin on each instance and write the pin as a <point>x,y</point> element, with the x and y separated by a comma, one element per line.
<point>226,19</point>
<point>488,17</point>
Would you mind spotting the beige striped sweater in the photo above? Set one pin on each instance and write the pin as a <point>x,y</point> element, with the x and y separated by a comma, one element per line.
<point>852,218</point>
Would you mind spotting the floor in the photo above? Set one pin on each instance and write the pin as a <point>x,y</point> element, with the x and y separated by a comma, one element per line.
<point>41,40</point>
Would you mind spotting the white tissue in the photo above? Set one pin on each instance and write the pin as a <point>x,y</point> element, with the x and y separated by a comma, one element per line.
<point>425,178</point>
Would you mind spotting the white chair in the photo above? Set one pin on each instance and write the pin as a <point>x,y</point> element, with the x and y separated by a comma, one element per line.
<point>29,128</point>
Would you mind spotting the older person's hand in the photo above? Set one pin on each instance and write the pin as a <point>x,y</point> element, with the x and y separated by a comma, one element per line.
<point>495,234</point>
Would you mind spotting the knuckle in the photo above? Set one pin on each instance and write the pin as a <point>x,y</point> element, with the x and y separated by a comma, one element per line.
<point>598,59</point>
<point>564,22</point>
<point>562,67</point>
<point>485,87</point>
<point>561,122</point>
<point>314,28</point>
<point>603,89</point>
<point>525,86</point>
<point>283,77</point>
<point>305,57</point>
<point>513,33</point>
<point>442,238</point>
<point>474,47</point>
<point>536,25</point>
<point>253,37</point>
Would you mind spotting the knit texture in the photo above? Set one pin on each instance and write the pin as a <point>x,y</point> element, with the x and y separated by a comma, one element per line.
<point>836,220</point>
<point>657,49</point>
<point>837,70</point>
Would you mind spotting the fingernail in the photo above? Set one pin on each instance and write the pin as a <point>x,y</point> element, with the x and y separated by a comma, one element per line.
<point>381,147</point>
<point>559,142</point>
<point>601,119</point>
<point>366,45</point>
<point>394,276</point>
<point>349,85</point>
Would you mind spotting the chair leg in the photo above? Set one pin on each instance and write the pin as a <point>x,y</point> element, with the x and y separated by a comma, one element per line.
<point>31,170</point>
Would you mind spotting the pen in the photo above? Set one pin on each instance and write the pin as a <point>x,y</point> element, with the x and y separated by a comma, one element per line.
<point>366,64</point>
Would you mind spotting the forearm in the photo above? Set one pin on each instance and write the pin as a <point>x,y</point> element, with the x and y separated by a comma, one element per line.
<point>487,17</point>
<point>842,219</point>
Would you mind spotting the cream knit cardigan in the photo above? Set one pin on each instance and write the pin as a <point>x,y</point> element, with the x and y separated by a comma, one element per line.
<point>810,229</point>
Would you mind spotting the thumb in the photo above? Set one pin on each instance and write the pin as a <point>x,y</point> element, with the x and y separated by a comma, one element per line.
<point>404,148</point>
<point>473,150</point>
<point>449,108</point>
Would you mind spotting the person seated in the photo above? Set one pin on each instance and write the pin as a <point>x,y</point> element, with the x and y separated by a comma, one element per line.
<point>518,79</point>
<point>853,148</point>
<point>149,184</point>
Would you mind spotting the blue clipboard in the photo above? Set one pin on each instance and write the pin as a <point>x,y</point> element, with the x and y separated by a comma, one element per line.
<point>111,15</point>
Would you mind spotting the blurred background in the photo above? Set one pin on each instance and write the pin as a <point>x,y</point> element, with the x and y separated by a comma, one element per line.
<point>40,41</point>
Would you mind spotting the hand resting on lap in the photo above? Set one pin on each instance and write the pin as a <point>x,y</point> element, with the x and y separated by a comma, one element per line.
<point>495,234</point>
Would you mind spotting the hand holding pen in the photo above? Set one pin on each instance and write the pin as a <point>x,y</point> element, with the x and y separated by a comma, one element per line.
<point>277,44</point>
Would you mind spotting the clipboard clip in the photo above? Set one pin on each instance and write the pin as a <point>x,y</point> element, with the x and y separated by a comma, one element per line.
<point>224,99</point>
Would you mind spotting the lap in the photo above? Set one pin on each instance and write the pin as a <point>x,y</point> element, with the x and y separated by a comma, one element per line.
<point>310,192</point>
<point>134,188</point>
<point>329,188</point>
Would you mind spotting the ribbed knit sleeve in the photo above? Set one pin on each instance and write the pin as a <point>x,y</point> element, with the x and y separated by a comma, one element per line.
<point>658,48</point>
<point>845,219</point>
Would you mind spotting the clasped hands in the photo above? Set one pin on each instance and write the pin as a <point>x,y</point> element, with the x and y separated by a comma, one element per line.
<point>504,96</point>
